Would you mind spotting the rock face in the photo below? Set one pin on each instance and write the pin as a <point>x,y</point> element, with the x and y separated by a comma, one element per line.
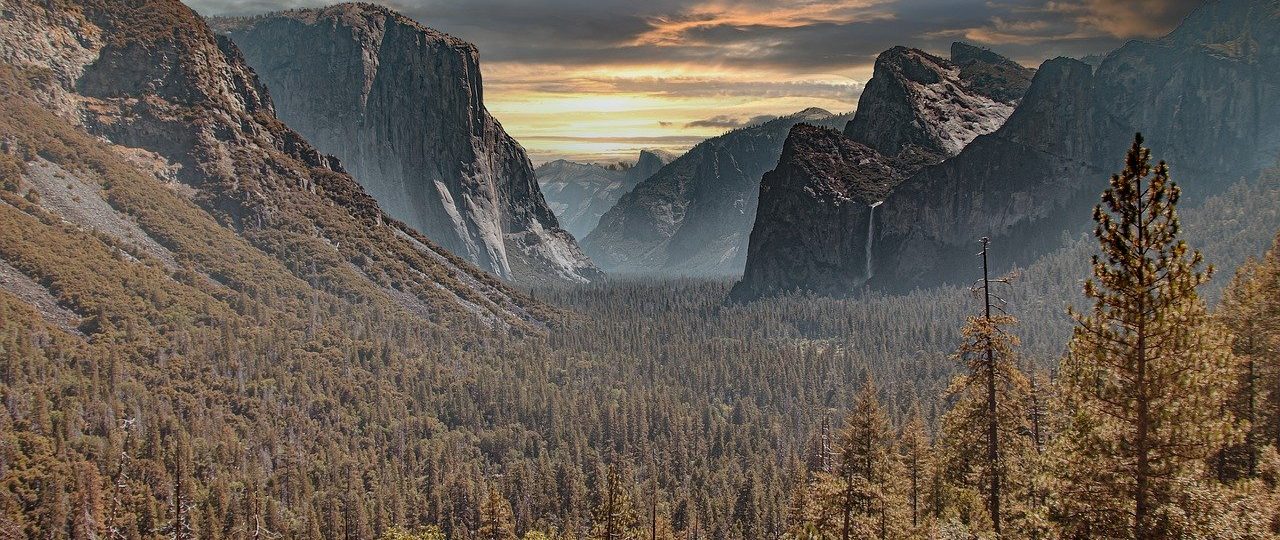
<point>183,113</point>
<point>916,111</point>
<point>990,74</point>
<point>918,104</point>
<point>402,107</point>
<point>579,193</point>
<point>819,205</point>
<point>1207,97</point>
<point>694,216</point>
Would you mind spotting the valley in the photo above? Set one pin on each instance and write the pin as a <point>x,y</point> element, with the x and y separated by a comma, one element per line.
<point>283,275</point>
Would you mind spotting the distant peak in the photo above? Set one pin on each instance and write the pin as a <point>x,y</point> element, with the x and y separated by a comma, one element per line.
<point>813,113</point>
<point>658,154</point>
<point>963,54</point>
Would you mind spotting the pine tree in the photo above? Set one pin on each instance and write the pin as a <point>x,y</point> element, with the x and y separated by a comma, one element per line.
<point>180,527</point>
<point>1242,313</point>
<point>986,430</point>
<point>495,517</point>
<point>865,456</point>
<point>917,459</point>
<point>1144,376</point>
<point>615,516</point>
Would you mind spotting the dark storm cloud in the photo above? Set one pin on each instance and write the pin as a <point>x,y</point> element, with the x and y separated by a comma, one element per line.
<point>776,35</point>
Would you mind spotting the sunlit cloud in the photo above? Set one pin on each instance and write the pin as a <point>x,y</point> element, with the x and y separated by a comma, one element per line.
<point>598,80</point>
<point>675,30</point>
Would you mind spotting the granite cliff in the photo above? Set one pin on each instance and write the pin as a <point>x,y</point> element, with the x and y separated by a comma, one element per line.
<point>402,107</point>
<point>916,111</point>
<point>178,150</point>
<point>1207,98</point>
<point>694,216</point>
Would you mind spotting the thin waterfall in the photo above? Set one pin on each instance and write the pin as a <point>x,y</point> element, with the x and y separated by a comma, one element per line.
<point>871,229</point>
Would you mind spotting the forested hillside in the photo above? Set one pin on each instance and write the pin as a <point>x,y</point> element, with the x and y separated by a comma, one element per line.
<point>209,331</point>
<point>332,420</point>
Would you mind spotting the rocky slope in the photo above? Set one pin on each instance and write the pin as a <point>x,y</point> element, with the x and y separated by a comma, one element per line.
<point>579,193</point>
<point>694,216</point>
<point>402,107</point>
<point>1207,97</point>
<point>819,204</point>
<point>919,104</point>
<point>182,158</point>
<point>916,111</point>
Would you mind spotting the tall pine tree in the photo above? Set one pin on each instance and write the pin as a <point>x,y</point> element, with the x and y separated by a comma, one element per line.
<point>865,469</point>
<point>1144,378</point>
<point>986,431</point>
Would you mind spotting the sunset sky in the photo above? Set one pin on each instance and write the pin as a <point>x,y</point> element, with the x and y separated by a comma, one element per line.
<point>596,80</point>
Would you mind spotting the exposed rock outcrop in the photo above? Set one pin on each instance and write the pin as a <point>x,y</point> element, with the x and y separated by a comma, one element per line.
<point>182,113</point>
<point>918,104</point>
<point>990,74</point>
<point>820,215</point>
<point>579,193</point>
<point>402,107</point>
<point>1207,98</point>
<point>694,216</point>
<point>916,111</point>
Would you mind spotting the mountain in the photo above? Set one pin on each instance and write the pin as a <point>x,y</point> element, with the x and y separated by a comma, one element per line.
<point>1207,97</point>
<point>825,184</point>
<point>402,107</point>
<point>694,216</point>
<point>133,130</point>
<point>919,104</point>
<point>817,210</point>
<point>579,193</point>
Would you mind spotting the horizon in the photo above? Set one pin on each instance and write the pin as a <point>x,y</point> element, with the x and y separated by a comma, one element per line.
<point>597,82</point>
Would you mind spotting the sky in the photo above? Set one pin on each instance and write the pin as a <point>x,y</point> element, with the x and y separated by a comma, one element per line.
<point>598,80</point>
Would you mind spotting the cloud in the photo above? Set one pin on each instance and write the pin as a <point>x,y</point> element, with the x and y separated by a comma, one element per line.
<point>1128,19</point>
<point>730,122</point>
<point>727,85</point>
<point>792,36</point>
<point>662,140</point>
<point>612,66</point>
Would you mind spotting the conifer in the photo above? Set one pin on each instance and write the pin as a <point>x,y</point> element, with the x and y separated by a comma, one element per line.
<point>495,517</point>
<point>863,470</point>
<point>1143,380</point>
<point>917,458</point>
<point>990,380</point>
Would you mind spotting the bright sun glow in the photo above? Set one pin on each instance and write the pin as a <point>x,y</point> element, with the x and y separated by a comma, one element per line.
<point>603,115</point>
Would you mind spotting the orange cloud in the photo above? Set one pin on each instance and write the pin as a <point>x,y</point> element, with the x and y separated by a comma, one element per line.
<point>673,30</point>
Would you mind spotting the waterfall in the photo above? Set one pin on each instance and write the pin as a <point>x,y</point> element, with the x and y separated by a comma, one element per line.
<point>871,229</point>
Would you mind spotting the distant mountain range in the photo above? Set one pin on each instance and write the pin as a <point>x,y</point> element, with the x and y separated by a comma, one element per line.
<point>579,193</point>
<point>402,107</point>
<point>693,217</point>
